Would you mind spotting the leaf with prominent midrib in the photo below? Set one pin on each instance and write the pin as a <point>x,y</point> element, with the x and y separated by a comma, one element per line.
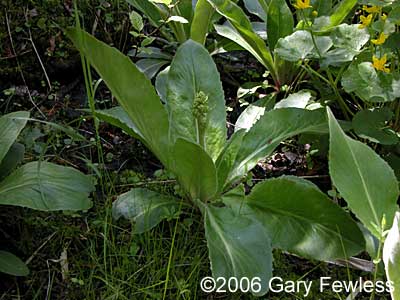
<point>269,131</point>
<point>195,170</point>
<point>146,208</point>
<point>46,186</point>
<point>193,71</point>
<point>279,23</point>
<point>238,246</point>
<point>133,90</point>
<point>301,219</point>
<point>363,179</point>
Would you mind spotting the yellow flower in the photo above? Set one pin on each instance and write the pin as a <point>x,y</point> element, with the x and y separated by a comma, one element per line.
<point>380,40</point>
<point>365,21</point>
<point>384,17</point>
<point>372,9</point>
<point>379,63</point>
<point>302,4</point>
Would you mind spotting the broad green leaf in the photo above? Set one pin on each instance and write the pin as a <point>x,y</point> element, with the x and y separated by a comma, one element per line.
<point>232,34</point>
<point>254,111</point>
<point>371,85</point>
<point>46,186</point>
<point>116,116</point>
<point>349,36</point>
<point>340,12</point>
<point>301,219</point>
<point>14,156</point>
<point>363,179</point>
<point>260,29</point>
<point>132,89</point>
<point>151,66</point>
<point>178,19</point>
<point>195,170</point>
<point>391,257</point>
<point>195,99</point>
<point>394,15</point>
<point>185,10</point>
<point>336,57</point>
<point>235,15</point>
<point>299,46</point>
<point>11,264</point>
<point>201,21</point>
<point>165,2</point>
<point>258,8</point>
<point>280,22</point>
<point>394,162</point>
<point>10,127</point>
<point>146,208</point>
<point>373,125</point>
<point>269,131</point>
<point>161,84</point>
<point>151,52</point>
<point>136,21</point>
<point>371,242</point>
<point>227,158</point>
<point>348,41</point>
<point>149,9</point>
<point>300,100</point>
<point>238,246</point>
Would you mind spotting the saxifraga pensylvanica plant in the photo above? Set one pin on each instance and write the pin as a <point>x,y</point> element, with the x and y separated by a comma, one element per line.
<point>188,135</point>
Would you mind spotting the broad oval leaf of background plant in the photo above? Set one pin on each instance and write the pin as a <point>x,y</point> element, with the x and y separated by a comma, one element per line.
<point>299,46</point>
<point>195,170</point>
<point>238,246</point>
<point>132,89</point>
<point>11,264</point>
<point>363,179</point>
<point>195,99</point>
<point>46,186</point>
<point>146,208</point>
<point>371,85</point>
<point>10,127</point>
<point>301,219</point>
<point>391,256</point>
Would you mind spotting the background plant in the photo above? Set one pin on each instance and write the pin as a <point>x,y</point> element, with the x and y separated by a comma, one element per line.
<point>38,185</point>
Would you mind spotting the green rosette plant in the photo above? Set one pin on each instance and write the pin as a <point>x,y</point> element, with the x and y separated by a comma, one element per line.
<point>188,135</point>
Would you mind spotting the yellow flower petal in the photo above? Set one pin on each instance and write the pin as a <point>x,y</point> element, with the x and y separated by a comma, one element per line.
<point>372,9</point>
<point>365,21</point>
<point>302,4</point>
<point>380,40</point>
<point>379,63</point>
